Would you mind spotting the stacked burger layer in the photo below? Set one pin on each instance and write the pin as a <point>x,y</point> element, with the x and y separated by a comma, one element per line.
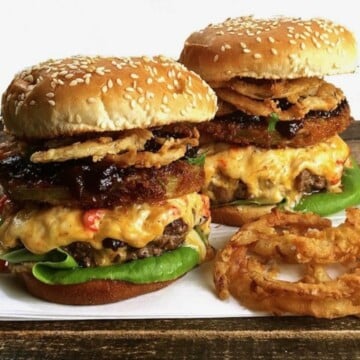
<point>275,136</point>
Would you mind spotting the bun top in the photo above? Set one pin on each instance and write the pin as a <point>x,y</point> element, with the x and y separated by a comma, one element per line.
<point>277,48</point>
<point>94,94</point>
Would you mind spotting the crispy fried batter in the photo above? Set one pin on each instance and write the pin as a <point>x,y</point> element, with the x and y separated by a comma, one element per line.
<point>171,150</point>
<point>314,128</point>
<point>97,148</point>
<point>125,151</point>
<point>248,266</point>
<point>271,89</point>
<point>76,184</point>
<point>318,96</point>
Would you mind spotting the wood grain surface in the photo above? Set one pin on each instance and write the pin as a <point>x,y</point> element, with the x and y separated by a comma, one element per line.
<point>231,338</point>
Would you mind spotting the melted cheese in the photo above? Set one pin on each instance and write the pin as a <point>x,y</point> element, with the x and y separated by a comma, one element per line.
<point>41,230</point>
<point>269,174</point>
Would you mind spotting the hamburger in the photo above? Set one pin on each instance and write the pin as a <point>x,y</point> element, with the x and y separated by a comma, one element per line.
<point>100,174</point>
<point>274,141</point>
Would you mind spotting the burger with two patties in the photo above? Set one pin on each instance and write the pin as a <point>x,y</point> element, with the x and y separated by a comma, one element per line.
<point>101,175</point>
<point>274,141</point>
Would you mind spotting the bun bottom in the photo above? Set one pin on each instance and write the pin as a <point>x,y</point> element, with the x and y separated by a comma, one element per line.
<point>95,292</point>
<point>238,215</point>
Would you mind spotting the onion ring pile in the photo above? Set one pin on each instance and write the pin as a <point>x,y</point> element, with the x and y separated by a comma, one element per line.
<point>248,266</point>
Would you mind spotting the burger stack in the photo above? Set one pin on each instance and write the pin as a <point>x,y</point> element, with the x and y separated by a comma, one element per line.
<point>275,136</point>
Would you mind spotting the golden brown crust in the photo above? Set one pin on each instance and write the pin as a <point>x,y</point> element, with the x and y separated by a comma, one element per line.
<point>238,215</point>
<point>312,130</point>
<point>94,94</point>
<point>93,292</point>
<point>277,48</point>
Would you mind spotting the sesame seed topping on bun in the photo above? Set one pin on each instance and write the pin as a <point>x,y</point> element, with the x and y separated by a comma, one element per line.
<point>95,94</point>
<point>276,48</point>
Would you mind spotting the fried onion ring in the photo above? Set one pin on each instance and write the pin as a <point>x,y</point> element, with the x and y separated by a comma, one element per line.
<point>97,148</point>
<point>325,97</point>
<point>171,150</point>
<point>128,150</point>
<point>271,89</point>
<point>247,267</point>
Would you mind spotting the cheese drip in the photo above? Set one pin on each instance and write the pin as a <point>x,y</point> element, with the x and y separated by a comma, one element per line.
<point>41,230</point>
<point>270,174</point>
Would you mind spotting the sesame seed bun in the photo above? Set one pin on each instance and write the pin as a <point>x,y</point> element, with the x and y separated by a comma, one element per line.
<point>94,94</point>
<point>277,48</point>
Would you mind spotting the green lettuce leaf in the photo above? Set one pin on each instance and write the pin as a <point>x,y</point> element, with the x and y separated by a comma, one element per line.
<point>326,204</point>
<point>58,267</point>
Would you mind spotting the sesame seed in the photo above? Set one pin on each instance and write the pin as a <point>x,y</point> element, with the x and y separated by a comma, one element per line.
<point>149,95</point>
<point>73,82</point>
<point>127,97</point>
<point>257,56</point>
<point>104,89</point>
<point>99,71</point>
<point>165,109</point>
<point>146,59</point>
<point>32,102</point>
<point>51,102</point>
<point>274,51</point>
<point>182,112</point>
<point>165,99</point>
<point>129,89</point>
<point>110,84</point>
<point>141,100</point>
<point>292,42</point>
<point>243,45</point>
<point>134,76</point>
<point>119,82</point>
<point>302,46</point>
<point>216,58</point>
<point>258,39</point>
<point>78,118</point>
<point>91,100</point>
<point>50,95</point>
<point>133,104</point>
<point>69,76</point>
<point>149,80</point>
<point>246,51</point>
<point>271,39</point>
